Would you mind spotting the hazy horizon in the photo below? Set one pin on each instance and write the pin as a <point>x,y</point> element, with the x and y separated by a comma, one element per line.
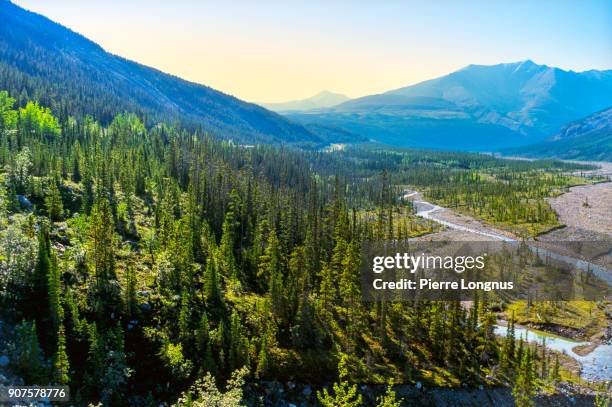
<point>275,52</point>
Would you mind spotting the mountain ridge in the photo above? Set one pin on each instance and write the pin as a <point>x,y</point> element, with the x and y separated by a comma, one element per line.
<point>73,75</point>
<point>502,105</point>
<point>589,138</point>
<point>512,90</point>
<point>322,99</point>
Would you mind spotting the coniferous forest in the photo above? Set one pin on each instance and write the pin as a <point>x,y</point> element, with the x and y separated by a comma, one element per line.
<point>145,265</point>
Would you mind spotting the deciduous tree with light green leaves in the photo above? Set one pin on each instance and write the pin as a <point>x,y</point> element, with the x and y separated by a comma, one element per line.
<point>38,121</point>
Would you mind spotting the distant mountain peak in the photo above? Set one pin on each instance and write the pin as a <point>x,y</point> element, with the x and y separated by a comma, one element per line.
<point>517,65</point>
<point>526,63</point>
<point>323,99</point>
<point>328,93</point>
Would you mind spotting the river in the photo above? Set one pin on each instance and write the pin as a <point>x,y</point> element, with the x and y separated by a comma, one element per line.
<point>427,210</point>
<point>597,365</point>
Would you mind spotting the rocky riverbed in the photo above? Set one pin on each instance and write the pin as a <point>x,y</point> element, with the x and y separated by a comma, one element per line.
<point>586,207</point>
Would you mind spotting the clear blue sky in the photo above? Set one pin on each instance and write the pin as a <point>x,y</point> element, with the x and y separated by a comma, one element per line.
<point>272,51</point>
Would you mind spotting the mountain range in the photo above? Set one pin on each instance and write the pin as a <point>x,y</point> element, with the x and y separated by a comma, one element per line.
<point>587,139</point>
<point>476,108</point>
<point>321,100</point>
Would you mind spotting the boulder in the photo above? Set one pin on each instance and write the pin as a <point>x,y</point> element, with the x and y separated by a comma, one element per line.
<point>24,202</point>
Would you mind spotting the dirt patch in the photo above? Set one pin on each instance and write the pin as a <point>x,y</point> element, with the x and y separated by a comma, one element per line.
<point>583,350</point>
<point>560,330</point>
<point>450,235</point>
<point>587,207</point>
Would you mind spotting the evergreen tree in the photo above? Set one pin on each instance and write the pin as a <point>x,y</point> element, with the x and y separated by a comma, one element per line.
<point>41,275</point>
<point>130,292</point>
<point>262,359</point>
<point>214,295</point>
<point>350,288</point>
<point>236,345</point>
<point>184,329</point>
<point>61,365</point>
<point>555,373</point>
<point>524,386</point>
<point>345,394</point>
<point>389,399</point>
<point>508,351</point>
<point>101,241</point>
<point>203,345</point>
<point>53,202</point>
<point>226,256</point>
<point>87,198</point>
<point>327,291</point>
<point>54,293</point>
<point>76,164</point>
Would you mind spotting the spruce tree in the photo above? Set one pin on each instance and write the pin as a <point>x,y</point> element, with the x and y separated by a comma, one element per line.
<point>54,293</point>
<point>236,344</point>
<point>41,275</point>
<point>524,386</point>
<point>101,241</point>
<point>61,365</point>
<point>184,322</point>
<point>203,345</point>
<point>53,202</point>
<point>226,256</point>
<point>214,295</point>
<point>130,292</point>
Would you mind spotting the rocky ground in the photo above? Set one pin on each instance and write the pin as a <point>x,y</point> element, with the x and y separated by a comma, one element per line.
<point>296,395</point>
<point>7,377</point>
<point>603,169</point>
<point>586,208</point>
<point>471,223</point>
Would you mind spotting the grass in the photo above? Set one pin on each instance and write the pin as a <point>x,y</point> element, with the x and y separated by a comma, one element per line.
<point>583,316</point>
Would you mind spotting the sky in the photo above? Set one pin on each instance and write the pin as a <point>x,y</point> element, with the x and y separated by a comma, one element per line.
<point>279,50</point>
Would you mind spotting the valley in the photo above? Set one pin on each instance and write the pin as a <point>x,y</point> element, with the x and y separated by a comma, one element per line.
<point>166,243</point>
<point>186,270</point>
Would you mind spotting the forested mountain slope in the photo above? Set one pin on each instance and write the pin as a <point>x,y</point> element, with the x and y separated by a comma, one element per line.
<point>42,60</point>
